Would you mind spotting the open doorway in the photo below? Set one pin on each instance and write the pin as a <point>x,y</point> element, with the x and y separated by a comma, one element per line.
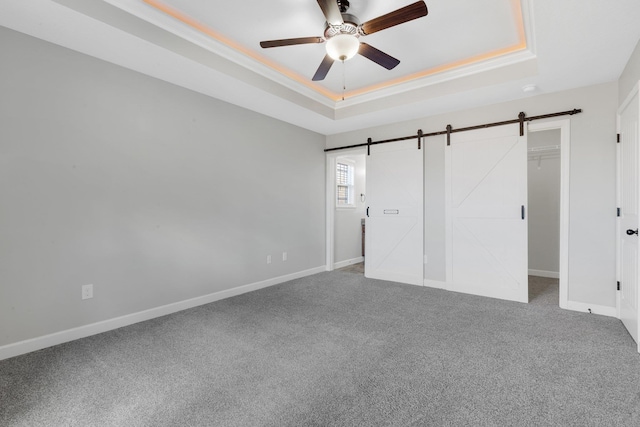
<point>547,182</point>
<point>347,205</point>
<point>543,182</point>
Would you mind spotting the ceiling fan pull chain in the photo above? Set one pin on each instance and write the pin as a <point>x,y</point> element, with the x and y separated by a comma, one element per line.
<point>344,79</point>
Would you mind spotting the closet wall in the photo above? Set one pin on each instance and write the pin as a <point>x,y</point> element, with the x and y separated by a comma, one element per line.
<point>544,202</point>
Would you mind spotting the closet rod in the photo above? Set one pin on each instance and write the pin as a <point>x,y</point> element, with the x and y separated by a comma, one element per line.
<point>521,119</point>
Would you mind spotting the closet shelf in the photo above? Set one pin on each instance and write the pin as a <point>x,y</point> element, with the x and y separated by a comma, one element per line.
<point>544,152</point>
<point>543,149</point>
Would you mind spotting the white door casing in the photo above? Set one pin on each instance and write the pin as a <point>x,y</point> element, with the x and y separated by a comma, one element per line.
<point>395,224</point>
<point>486,202</point>
<point>629,204</point>
<point>330,201</point>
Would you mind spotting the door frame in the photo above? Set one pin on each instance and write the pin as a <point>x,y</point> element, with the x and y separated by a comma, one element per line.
<point>634,91</point>
<point>565,167</point>
<point>330,214</point>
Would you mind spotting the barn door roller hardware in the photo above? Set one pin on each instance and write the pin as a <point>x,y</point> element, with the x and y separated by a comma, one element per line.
<point>370,142</point>
<point>449,130</point>
<point>520,120</point>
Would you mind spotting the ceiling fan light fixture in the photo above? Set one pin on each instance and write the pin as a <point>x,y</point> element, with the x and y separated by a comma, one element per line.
<point>342,47</point>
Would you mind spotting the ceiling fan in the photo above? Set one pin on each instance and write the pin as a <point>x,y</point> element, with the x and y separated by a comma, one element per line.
<point>342,31</point>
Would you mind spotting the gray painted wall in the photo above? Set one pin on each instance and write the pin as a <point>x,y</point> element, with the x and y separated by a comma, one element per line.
<point>150,192</point>
<point>592,180</point>
<point>543,182</point>
<point>630,75</point>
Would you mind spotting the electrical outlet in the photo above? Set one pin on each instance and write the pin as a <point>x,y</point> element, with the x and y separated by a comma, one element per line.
<point>284,256</point>
<point>87,291</point>
<point>268,259</point>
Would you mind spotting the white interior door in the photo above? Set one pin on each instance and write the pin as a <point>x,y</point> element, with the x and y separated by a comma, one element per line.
<point>486,199</point>
<point>394,224</point>
<point>628,193</point>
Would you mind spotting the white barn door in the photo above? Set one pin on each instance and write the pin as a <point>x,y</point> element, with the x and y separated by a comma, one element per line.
<point>629,203</point>
<point>394,225</point>
<point>486,202</point>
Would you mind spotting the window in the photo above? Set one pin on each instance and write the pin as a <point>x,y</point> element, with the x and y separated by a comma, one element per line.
<point>344,184</point>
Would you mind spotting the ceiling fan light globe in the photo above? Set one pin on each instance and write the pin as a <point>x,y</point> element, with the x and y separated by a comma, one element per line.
<point>342,47</point>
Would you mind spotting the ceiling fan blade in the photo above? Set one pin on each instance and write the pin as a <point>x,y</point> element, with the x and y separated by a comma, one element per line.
<point>378,56</point>
<point>323,69</point>
<point>331,11</point>
<point>400,16</point>
<point>290,42</point>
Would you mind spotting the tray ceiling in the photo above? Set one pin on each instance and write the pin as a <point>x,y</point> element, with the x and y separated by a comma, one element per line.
<point>463,54</point>
<point>425,46</point>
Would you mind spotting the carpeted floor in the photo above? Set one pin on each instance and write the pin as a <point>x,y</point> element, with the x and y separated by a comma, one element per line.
<point>353,268</point>
<point>542,290</point>
<point>336,349</point>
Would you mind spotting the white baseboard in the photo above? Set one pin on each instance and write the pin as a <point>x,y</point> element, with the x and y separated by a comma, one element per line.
<point>595,309</point>
<point>27,346</point>
<point>544,273</point>
<point>348,262</point>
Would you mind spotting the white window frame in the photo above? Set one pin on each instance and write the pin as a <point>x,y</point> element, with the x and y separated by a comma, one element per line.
<point>351,188</point>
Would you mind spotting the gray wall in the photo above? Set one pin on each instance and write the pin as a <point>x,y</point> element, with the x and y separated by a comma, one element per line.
<point>150,192</point>
<point>592,180</point>
<point>347,221</point>
<point>543,182</point>
<point>630,75</point>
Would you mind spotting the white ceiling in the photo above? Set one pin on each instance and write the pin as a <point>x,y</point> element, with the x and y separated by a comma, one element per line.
<point>463,54</point>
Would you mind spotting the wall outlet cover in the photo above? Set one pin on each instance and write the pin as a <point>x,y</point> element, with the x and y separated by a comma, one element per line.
<point>87,291</point>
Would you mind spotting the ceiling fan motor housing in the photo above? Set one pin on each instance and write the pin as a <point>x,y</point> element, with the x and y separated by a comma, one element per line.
<point>343,30</point>
<point>349,26</point>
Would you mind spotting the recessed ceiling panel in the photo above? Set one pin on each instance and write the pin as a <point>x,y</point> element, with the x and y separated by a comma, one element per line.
<point>453,34</point>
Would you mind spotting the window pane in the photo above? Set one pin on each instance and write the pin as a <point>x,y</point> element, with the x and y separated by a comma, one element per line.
<point>344,184</point>
<point>342,174</point>
<point>343,194</point>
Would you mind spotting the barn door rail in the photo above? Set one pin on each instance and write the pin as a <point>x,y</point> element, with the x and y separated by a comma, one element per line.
<point>449,130</point>
<point>370,142</point>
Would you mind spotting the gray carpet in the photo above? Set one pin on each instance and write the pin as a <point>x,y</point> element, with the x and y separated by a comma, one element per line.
<point>336,349</point>
<point>354,268</point>
<point>544,291</point>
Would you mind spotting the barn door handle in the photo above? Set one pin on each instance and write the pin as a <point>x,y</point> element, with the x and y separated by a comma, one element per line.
<point>631,232</point>
<point>522,211</point>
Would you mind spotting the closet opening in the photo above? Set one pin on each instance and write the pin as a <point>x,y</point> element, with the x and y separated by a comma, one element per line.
<point>544,182</point>
<point>346,204</point>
